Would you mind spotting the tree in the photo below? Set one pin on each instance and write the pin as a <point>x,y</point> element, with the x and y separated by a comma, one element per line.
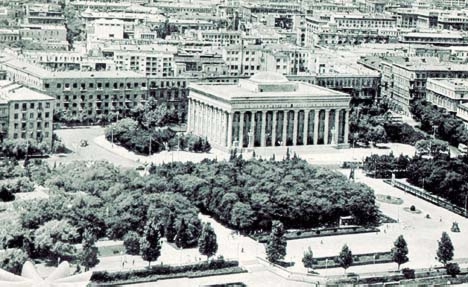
<point>169,227</point>
<point>89,254</point>
<point>308,259</point>
<point>182,237</point>
<point>400,251</point>
<point>150,245</point>
<point>445,250</point>
<point>207,244</point>
<point>132,243</point>
<point>345,258</point>
<point>12,260</point>
<point>276,245</point>
<point>452,269</point>
<point>55,240</point>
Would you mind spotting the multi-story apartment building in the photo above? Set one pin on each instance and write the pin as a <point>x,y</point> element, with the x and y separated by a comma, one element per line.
<point>404,79</point>
<point>149,63</point>
<point>106,29</point>
<point>332,30</point>
<point>280,58</point>
<point>43,14</point>
<point>97,93</point>
<point>446,38</point>
<point>47,36</point>
<point>200,65</point>
<point>195,8</point>
<point>79,93</point>
<point>55,60</point>
<point>9,36</point>
<point>363,21</point>
<point>432,19</point>
<point>447,93</point>
<point>221,37</point>
<point>25,113</point>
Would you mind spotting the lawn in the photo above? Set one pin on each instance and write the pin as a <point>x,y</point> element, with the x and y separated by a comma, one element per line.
<point>113,250</point>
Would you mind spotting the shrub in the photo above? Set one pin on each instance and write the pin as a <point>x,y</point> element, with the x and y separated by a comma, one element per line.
<point>453,269</point>
<point>412,208</point>
<point>219,263</point>
<point>408,273</point>
<point>6,195</point>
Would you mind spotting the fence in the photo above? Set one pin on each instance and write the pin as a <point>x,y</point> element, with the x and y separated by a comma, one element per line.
<point>421,193</point>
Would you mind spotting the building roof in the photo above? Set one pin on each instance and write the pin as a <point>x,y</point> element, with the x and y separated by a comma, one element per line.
<point>268,77</point>
<point>10,91</point>
<point>267,86</point>
<point>97,74</point>
<point>453,83</point>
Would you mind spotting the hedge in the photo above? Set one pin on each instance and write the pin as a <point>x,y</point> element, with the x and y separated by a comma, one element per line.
<point>104,276</point>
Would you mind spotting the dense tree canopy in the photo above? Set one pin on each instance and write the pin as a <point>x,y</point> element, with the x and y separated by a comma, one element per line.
<point>444,125</point>
<point>248,195</point>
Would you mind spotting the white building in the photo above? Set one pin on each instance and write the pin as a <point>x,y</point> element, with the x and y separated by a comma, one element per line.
<point>108,29</point>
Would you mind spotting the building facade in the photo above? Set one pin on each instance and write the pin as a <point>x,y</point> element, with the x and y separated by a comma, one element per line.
<point>447,94</point>
<point>25,114</point>
<point>267,110</point>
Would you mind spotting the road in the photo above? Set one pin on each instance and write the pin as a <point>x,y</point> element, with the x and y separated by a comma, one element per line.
<point>72,137</point>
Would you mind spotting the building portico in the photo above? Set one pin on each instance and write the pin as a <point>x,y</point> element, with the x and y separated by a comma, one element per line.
<point>268,111</point>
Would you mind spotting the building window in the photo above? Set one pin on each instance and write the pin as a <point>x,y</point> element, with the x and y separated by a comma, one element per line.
<point>16,106</point>
<point>31,105</point>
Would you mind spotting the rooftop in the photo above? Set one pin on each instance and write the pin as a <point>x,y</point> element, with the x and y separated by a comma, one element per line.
<point>266,85</point>
<point>10,91</point>
<point>452,83</point>
<point>268,77</point>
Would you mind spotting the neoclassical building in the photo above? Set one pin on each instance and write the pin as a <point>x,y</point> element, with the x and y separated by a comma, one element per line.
<point>267,110</point>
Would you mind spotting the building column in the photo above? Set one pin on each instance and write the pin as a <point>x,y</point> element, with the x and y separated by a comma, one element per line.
<point>326,129</point>
<point>337,125</point>
<point>189,118</point>
<point>285,128</point>
<point>263,131</point>
<point>222,127</point>
<point>214,125</point>
<point>316,126</point>
<point>273,128</point>
<point>346,127</point>
<point>209,126</point>
<point>202,119</point>
<point>306,127</point>
<point>229,118</point>
<point>219,125</point>
<point>251,132</point>
<point>241,129</point>
<point>198,118</point>
<point>295,123</point>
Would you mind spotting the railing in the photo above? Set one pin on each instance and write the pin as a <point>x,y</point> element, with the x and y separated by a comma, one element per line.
<point>421,193</point>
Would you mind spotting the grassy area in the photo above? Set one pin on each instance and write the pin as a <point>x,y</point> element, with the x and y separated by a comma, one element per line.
<point>358,259</point>
<point>113,250</point>
<point>389,199</point>
<point>317,232</point>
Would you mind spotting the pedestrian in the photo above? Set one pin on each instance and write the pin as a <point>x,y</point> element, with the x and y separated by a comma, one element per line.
<point>321,241</point>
